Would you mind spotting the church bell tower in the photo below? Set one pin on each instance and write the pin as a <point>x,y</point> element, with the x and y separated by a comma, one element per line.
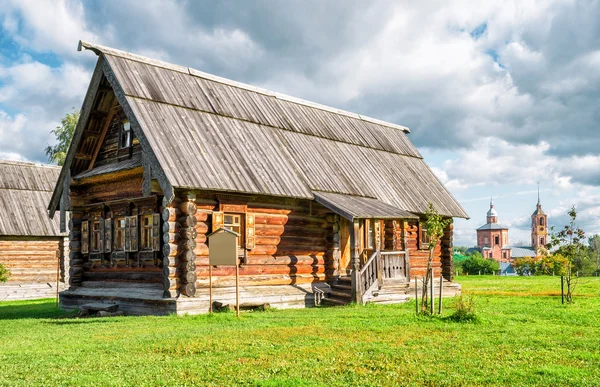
<point>539,226</point>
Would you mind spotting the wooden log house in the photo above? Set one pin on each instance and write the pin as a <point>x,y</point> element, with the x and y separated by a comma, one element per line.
<point>326,202</point>
<point>32,247</point>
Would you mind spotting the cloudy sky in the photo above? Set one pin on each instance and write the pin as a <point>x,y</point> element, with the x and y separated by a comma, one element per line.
<point>497,96</point>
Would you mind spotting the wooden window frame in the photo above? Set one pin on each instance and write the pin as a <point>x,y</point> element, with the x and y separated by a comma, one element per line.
<point>146,232</point>
<point>120,233</point>
<point>95,236</point>
<point>423,237</point>
<point>125,129</point>
<point>240,225</point>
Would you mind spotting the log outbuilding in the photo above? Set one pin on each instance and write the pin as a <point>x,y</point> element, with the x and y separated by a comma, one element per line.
<point>327,203</point>
<point>32,247</point>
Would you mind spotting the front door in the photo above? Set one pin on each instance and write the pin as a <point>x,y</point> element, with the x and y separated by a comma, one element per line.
<point>345,264</point>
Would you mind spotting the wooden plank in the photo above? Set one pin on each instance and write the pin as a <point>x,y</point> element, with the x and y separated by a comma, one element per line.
<point>107,122</point>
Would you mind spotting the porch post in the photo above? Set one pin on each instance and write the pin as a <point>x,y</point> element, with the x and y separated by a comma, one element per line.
<point>355,254</point>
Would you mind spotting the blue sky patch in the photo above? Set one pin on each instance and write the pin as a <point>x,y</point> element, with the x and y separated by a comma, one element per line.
<point>478,31</point>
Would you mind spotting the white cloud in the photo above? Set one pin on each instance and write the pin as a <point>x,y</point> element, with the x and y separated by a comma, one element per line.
<point>47,26</point>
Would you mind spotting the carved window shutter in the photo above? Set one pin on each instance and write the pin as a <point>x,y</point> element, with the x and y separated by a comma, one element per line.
<point>133,233</point>
<point>85,237</point>
<point>250,239</point>
<point>127,235</point>
<point>107,235</point>
<point>101,236</point>
<point>156,232</point>
<point>217,221</point>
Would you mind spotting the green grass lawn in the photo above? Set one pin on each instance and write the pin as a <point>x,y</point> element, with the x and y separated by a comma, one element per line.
<point>524,337</point>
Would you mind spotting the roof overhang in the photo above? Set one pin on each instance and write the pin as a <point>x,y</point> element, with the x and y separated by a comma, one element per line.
<point>358,207</point>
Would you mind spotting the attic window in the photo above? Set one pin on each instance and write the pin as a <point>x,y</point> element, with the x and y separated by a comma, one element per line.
<point>125,136</point>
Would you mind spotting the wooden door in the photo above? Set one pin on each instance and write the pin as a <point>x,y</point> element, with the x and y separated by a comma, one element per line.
<point>345,264</point>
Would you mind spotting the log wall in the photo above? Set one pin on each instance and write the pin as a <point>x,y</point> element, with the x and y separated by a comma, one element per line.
<point>295,244</point>
<point>409,231</point>
<point>31,260</point>
<point>115,195</point>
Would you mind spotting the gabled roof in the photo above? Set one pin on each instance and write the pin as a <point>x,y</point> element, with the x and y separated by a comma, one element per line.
<point>200,131</point>
<point>25,189</point>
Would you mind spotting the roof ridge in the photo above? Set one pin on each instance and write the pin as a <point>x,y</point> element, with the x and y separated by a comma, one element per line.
<point>29,164</point>
<point>99,49</point>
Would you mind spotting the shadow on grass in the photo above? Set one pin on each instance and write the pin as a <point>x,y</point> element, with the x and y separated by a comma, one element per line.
<point>31,309</point>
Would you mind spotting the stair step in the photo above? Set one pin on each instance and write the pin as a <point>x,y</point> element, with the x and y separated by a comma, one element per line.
<point>334,301</point>
<point>339,294</point>
<point>345,280</point>
<point>342,288</point>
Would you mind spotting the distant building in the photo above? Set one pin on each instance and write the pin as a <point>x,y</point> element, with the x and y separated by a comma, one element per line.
<point>32,247</point>
<point>492,238</point>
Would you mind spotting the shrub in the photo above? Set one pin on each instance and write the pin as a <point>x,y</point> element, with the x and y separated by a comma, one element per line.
<point>4,274</point>
<point>465,310</point>
<point>476,264</point>
<point>554,264</point>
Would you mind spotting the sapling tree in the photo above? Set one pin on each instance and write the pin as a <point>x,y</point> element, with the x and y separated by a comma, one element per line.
<point>434,224</point>
<point>568,242</point>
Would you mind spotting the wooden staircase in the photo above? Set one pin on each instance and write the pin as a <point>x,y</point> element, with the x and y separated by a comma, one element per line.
<point>340,294</point>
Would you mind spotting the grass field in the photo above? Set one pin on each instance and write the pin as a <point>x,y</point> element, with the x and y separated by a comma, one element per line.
<point>524,337</point>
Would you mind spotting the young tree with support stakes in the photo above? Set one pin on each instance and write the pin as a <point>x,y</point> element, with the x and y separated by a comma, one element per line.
<point>434,224</point>
<point>568,242</point>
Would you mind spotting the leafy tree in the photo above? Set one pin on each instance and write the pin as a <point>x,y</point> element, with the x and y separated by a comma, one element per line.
<point>594,247</point>
<point>64,135</point>
<point>460,249</point>
<point>435,225</point>
<point>568,242</point>
<point>476,264</point>
<point>4,274</point>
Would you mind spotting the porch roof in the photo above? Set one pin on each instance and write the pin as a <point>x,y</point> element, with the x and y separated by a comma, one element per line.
<point>358,207</point>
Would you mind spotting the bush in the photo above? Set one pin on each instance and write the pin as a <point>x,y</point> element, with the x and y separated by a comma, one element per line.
<point>4,274</point>
<point>465,310</point>
<point>554,264</point>
<point>476,264</point>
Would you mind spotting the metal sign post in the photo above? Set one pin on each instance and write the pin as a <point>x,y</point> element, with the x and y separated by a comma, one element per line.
<point>223,251</point>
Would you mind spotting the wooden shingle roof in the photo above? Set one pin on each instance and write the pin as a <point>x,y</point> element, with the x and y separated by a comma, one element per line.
<point>25,190</point>
<point>207,132</point>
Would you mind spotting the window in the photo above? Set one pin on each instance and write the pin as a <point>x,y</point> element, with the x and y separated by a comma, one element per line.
<point>147,232</point>
<point>486,241</point>
<point>542,241</point>
<point>95,239</point>
<point>233,222</point>
<point>369,234</point>
<point>541,221</point>
<point>125,136</point>
<point>497,240</point>
<point>120,226</point>
<point>423,237</point>
<point>504,255</point>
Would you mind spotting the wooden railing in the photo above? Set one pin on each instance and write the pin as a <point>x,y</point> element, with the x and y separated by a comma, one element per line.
<point>368,276</point>
<point>395,264</point>
<point>380,265</point>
